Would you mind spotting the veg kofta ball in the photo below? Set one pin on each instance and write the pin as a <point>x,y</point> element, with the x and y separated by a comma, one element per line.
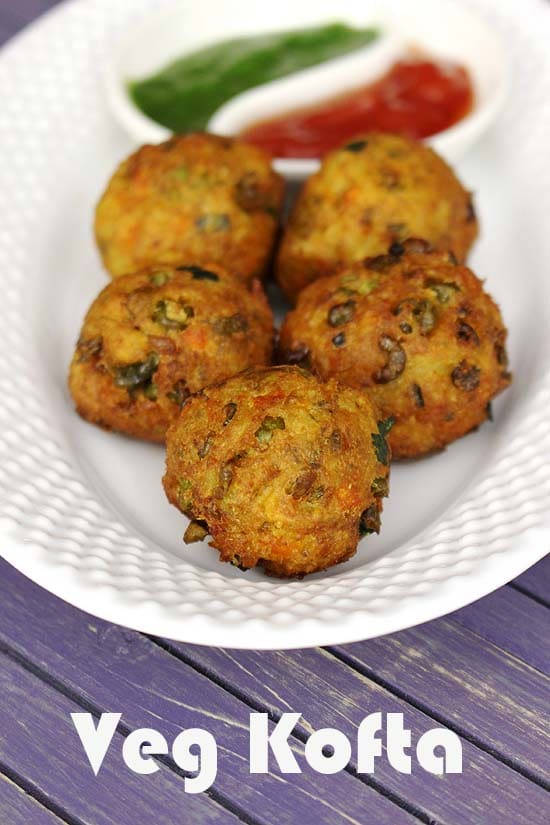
<point>280,468</point>
<point>414,328</point>
<point>196,198</point>
<point>366,195</point>
<point>151,339</point>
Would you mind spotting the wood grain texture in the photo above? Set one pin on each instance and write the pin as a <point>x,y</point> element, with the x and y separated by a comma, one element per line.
<point>18,808</point>
<point>19,13</point>
<point>15,14</point>
<point>513,622</point>
<point>329,694</point>
<point>469,684</point>
<point>38,742</point>
<point>117,669</point>
<point>536,580</point>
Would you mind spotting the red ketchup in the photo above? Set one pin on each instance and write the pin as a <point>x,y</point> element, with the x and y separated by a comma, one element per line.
<point>416,98</point>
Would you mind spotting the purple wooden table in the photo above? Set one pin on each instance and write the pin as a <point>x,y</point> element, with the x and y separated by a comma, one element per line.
<point>482,672</point>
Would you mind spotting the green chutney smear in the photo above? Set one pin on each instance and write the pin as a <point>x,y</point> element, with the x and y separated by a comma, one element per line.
<point>184,95</point>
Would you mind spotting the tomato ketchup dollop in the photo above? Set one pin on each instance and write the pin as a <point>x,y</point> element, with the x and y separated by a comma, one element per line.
<point>415,98</point>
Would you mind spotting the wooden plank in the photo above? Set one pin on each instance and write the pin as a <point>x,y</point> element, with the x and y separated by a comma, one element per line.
<point>468,683</point>
<point>18,808</point>
<point>536,581</point>
<point>16,15</point>
<point>118,669</point>
<point>513,622</point>
<point>328,693</point>
<point>5,34</point>
<point>38,742</point>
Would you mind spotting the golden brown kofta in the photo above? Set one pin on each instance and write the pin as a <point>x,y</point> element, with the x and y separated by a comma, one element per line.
<point>366,195</point>
<point>196,198</point>
<point>417,330</point>
<point>151,339</point>
<point>280,468</point>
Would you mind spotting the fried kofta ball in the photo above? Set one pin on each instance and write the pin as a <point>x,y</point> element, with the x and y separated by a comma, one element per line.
<point>196,198</point>
<point>366,195</point>
<point>280,468</point>
<point>414,328</point>
<point>151,339</point>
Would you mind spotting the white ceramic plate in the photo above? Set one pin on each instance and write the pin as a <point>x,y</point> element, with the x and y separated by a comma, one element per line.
<point>443,28</point>
<point>82,512</point>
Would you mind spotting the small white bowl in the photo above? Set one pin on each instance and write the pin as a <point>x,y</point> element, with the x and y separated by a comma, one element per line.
<point>443,29</point>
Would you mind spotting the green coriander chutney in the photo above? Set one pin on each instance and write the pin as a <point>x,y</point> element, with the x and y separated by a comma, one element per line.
<point>184,95</point>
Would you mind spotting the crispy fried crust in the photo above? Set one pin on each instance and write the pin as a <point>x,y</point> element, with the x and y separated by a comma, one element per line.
<point>280,468</point>
<point>196,198</point>
<point>374,191</point>
<point>414,329</point>
<point>151,339</point>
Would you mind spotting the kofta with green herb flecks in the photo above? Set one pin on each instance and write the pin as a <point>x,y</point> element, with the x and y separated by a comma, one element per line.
<point>366,195</point>
<point>151,339</point>
<point>280,468</point>
<point>415,329</point>
<point>197,198</point>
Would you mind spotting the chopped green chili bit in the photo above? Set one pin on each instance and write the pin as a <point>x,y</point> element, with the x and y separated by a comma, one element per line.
<point>443,291</point>
<point>264,433</point>
<point>172,314</point>
<point>425,314</point>
<point>316,494</point>
<point>229,410</point>
<point>422,311</point>
<point>198,273</point>
<point>466,334</point>
<point>336,441</point>
<point>196,531</point>
<point>417,394</point>
<point>89,348</point>
<point>226,474</point>
<point>181,173</point>
<point>381,263</point>
<point>397,229</point>
<point>466,376</point>
<point>137,376</point>
<point>395,363</point>
<point>205,447</point>
<point>150,391</point>
<point>302,484</point>
<point>380,487</point>
<point>358,284</point>
<point>379,440</point>
<point>159,278</point>
<point>184,494</point>
<point>230,325</point>
<point>179,393</point>
<point>341,314</point>
<point>236,562</point>
<point>303,487</point>
<point>213,223</point>
<point>501,355</point>
<point>355,146</point>
<point>369,521</point>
